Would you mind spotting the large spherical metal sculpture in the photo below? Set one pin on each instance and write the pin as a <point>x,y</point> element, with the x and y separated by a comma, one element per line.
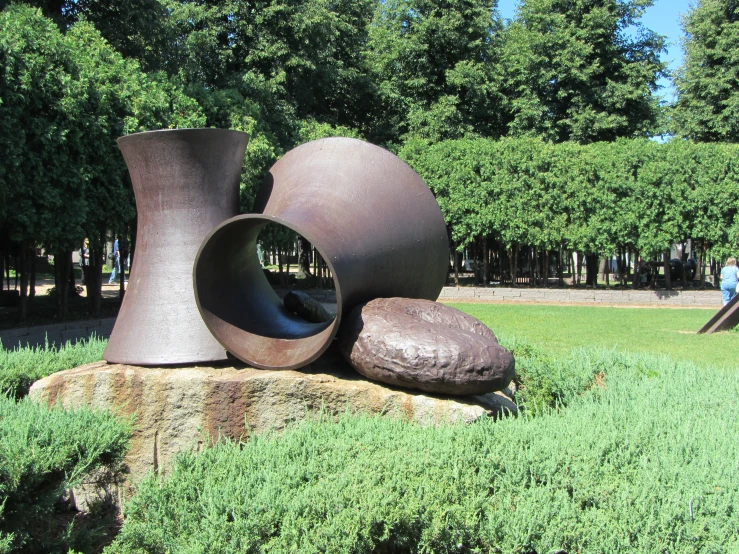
<point>370,216</point>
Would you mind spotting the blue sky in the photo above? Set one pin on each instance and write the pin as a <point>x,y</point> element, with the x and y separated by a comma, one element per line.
<point>663,17</point>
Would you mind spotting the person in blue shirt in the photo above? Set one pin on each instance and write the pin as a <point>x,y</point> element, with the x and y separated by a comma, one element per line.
<point>116,262</point>
<point>729,280</point>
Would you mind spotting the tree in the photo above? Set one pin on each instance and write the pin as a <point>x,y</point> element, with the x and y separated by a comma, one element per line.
<point>43,200</point>
<point>707,107</point>
<point>434,69</point>
<point>64,100</point>
<point>115,98</point>
<point>135,28</point>
<point>582,70</point>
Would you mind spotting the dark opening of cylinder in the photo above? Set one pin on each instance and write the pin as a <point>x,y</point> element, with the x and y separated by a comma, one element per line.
<point>240,307</point>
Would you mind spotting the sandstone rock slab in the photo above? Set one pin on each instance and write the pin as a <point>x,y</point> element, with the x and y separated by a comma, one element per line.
<point>424,345</point>
<point>182,408</point>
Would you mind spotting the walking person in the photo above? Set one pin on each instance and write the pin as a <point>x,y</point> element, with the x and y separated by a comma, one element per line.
<point>116,260</point>
<point>729,279</point>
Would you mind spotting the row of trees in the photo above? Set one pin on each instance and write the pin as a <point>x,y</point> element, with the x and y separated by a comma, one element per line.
<point>76,74</point>
<point>65,98</point>
<point>631,196</point>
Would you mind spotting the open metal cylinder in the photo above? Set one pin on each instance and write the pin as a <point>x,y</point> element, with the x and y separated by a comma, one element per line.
<point>370,216</point>
<point>186,182</point>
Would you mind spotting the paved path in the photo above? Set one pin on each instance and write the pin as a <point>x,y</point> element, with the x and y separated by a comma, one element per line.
<point>613,297</point>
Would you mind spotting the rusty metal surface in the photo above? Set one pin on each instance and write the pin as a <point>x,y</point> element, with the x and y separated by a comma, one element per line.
<point>373,220</point>
<point>725,319</point>
<point>186,182</point>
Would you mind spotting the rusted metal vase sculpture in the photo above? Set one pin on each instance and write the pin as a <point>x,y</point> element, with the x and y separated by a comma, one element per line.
<point>186,182</point>
<point>370,216</point>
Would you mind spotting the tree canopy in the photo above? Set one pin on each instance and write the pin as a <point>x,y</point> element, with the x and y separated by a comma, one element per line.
<point>707,108</point>
<point>582,70</point>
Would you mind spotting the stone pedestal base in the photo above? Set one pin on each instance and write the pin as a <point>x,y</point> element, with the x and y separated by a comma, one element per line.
<point>181,408</point>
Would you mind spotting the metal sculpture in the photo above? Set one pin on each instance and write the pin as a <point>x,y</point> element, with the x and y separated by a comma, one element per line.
<point>724,320</point>
<point>424,345</point>
<point>186,182</point>
<point>372,219</point>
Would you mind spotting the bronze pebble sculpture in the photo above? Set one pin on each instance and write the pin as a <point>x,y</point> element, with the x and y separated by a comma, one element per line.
<point>424,345</point>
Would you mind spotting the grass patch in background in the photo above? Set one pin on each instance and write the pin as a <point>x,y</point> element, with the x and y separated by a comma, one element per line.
<point>559,329</point>
<point>644,459</point>
<point>44,452</point>
<point>20,368</point>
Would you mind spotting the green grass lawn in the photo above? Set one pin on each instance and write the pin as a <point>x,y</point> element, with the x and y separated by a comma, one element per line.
<point>559,329</point>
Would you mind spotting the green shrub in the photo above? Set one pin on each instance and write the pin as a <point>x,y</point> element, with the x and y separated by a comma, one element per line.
<point>20,368</point>
<point>43,452</point>
<point>643,459</point>
<point>544,382</point>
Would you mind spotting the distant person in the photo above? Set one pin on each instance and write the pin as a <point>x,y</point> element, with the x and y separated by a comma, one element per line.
<point>116,260</point>
<point>729,279</point>
<point>85,259</point>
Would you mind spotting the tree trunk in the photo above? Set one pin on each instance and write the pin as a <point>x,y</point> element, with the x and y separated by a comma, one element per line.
<point>304,248</point>
<point>94,280</point>
<point>62,266</point>
<point>32,280</point>
<point>703,265</point>
<point>456,265</point>
<point>637,274</point>
<point>22,268</point>
<point>591,270</point>
<point>578,264</point>
<point>608,272</point>
<point>72,289</point>
<point>485,262</point>
<point>514,265</point>
<point>560,277</point>
<point>287,268</point>
<point>666,269</point>
<point>279,267</point>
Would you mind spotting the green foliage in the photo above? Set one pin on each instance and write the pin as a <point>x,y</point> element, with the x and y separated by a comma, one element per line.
<point>634,195</point>
<point>434,65</point>
<point>64,100</point>
<point>627,466</point>
<point>707,107</point>
<point>44,452</point>
<point>582,70</point>
<point>38,89</point>
<point>21,367</point>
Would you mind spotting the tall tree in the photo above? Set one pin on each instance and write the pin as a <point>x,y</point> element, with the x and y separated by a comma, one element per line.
<point>64,100</point>
<point>707,107</point>
<point>39,163</point>
<point>582,70</point>
<point>434,69</point>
